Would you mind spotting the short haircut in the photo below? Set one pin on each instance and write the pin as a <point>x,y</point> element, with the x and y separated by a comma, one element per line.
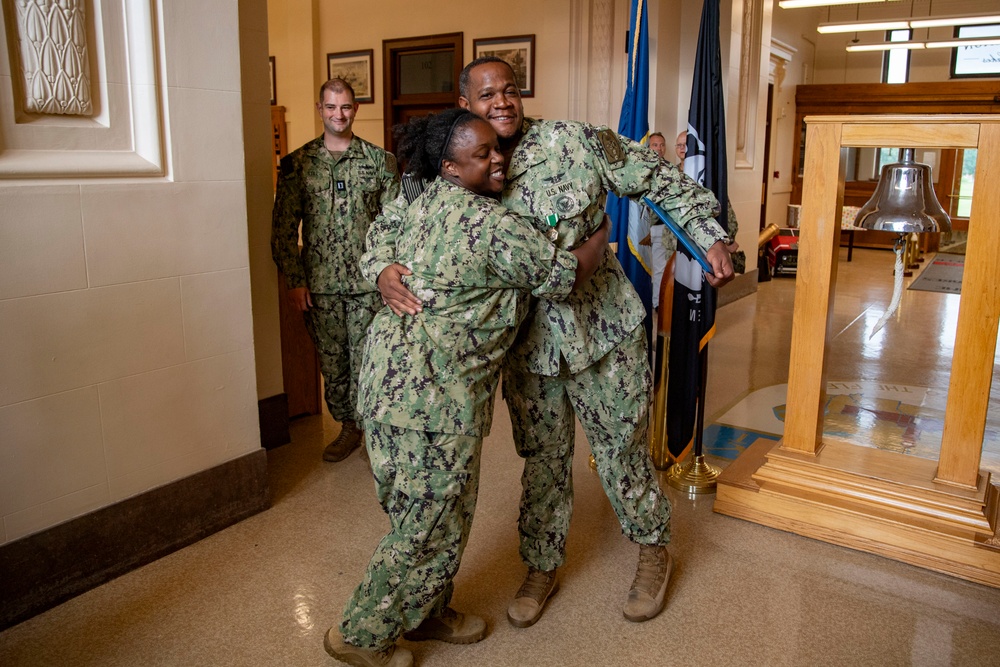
<point>466,75</point>
<point>656,134</point>
<point>336,85</point>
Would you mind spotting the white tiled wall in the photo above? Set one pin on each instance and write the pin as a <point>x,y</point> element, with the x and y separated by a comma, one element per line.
<point>42,241</point>
<point>127,359</point>
<point>146,231</point>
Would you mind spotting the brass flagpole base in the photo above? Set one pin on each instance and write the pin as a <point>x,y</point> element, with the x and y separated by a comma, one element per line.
<point>693,476</point>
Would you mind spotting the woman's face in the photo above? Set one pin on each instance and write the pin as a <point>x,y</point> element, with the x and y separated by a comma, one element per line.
<point>477,165</point>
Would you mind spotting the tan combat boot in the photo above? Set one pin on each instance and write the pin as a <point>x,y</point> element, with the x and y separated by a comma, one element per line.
<point>649,589</point>
<point>529,602</point>
<point>392,656</point>
<point>450,626</point>
<point>343,444</point>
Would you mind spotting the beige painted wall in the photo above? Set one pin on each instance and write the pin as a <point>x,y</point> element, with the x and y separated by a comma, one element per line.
<point>794,29</point>
<point>125,310</point>
<point>292,40</point>
<point>258,147</point>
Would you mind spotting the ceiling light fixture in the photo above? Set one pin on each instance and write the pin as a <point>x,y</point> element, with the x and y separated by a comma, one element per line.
<point>952,43</point>
<point>862,26</point>
<point>968,19</point>
<point>939,44</point>
<point>885,46</point>
<point>903,24</point>
<point>796,4</point>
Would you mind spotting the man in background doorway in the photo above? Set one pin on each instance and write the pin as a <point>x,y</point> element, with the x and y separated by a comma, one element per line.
<point>334,186</point>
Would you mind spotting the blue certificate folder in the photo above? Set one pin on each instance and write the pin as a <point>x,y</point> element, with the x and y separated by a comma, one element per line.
<point>685,239</point>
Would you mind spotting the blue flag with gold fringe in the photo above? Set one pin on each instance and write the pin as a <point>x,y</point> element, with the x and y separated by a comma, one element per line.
<point>693,316</point>
<point>628,226</point>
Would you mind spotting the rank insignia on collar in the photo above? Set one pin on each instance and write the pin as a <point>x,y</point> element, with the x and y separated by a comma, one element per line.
<point>613,152</point>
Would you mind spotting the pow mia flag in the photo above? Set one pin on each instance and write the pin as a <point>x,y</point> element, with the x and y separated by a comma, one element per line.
<point>693,325</point>
<point>694,299</point>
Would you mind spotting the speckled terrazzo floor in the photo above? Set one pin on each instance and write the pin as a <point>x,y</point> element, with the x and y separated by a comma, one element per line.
<point>263,592</point>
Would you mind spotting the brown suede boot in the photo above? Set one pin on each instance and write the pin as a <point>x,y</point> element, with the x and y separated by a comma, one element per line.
<point>648,595</point>
<point>529,602</point>
<point>451,626</point>
<point>343,444</point>
<point>393,656</point>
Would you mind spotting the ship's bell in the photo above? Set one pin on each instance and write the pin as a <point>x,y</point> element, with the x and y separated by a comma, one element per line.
<point>904,200</point>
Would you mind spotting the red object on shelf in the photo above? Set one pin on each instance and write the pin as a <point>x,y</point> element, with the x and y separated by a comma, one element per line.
<point>783,252</point>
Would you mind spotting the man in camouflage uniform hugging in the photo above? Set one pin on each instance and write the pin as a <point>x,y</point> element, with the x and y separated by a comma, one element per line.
<point>585,355</point>
<point>334,185</point>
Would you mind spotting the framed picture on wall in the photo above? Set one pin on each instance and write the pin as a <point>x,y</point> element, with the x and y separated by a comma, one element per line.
<point>274,87</point>
<point>518,51</point>
<point>356,68</point>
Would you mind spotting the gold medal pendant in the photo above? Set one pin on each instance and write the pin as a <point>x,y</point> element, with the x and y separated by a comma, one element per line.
<point>553,234</point>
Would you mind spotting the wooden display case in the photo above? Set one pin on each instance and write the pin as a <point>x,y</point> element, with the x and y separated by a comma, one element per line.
<point>944,97</point>
<point>944,514</point>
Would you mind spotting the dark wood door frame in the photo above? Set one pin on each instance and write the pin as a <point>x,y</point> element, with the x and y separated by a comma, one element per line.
<point>398,107</point>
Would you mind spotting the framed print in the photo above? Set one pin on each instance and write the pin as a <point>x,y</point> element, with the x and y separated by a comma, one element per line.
<point>982,60</point>
<point>356,68</point>
<point>518,51</point>
<point>274,87</point>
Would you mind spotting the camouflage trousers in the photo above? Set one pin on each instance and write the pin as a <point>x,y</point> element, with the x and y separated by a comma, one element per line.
<point>428,484</point>
<point>611,399</point>
<point>337,324</point>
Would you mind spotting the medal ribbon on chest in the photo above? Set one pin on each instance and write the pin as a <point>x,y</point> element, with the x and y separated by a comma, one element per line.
<point>552,221</point>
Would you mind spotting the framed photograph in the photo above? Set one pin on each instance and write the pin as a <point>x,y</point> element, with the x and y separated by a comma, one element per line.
<point>356,68</point>
<point>274,87</point>
<point>976,61</point>
<point>519,51</point>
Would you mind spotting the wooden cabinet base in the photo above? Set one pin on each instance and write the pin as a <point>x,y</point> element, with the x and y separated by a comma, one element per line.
<point>871,500</point>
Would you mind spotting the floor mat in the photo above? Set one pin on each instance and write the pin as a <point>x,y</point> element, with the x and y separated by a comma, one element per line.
<point>943,274</point>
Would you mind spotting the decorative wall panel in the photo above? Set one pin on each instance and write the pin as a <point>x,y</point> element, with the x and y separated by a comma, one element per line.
<point>749,82</point>
<point>84,96</point>
<point>52,41</point>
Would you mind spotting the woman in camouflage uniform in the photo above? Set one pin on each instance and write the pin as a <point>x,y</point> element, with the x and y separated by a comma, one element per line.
<point>428,381</point>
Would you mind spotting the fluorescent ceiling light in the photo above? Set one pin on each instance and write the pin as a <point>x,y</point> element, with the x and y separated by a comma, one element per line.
<point>952,43</point>
<point>885,46</point>
<point>903,24</point>
<point>795,4</point>
<point>946,44</point>
<point>968,19</point>
<point>862,26</point>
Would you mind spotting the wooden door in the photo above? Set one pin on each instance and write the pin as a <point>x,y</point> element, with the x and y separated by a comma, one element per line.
<point>420,76</point>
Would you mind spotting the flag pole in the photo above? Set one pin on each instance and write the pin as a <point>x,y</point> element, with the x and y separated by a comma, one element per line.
<point>695,475</point>
<point>658,450</point>
<point>705,161</point>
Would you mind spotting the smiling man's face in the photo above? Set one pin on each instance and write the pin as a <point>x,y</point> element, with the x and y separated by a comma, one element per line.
<point>494,96</point>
